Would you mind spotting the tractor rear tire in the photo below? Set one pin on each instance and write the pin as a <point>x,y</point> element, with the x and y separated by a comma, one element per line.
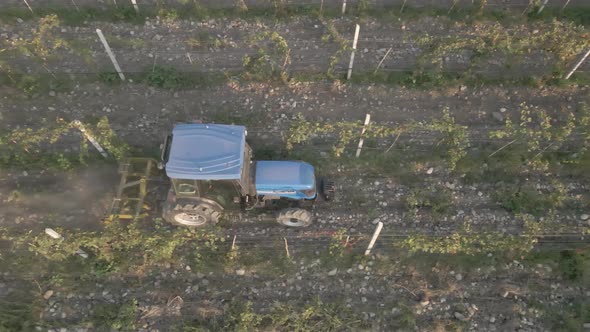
<point>193,215</point>
<point>294,218</point>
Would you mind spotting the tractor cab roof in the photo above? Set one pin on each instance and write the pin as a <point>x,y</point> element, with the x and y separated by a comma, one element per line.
<point>206,152</point>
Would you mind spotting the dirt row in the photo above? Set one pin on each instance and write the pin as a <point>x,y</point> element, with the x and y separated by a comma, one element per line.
<point>220,45</point>
<point>389,290</point>
<point>493,4</point>
<point>142,116</point>
<point>495,294</point>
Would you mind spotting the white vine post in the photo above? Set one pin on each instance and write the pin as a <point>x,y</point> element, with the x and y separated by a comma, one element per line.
<point>29,6</point>
<point>383,59</point>
<point>453,6</point>
<point>403,5</point>
<point>343,7</point>
<point>374,238</point>
<point>542,7</point>
<point>56,236</point>
<point>134,3</point>
<point>53,234</point>
<point>110,53</point>
<point>233,244</point>
<point>287,247</point>
<point>565,5</point>
<point>75,5</point>
<point>90,138</point>
<point>355,40</point>
<point>578,64</point>
<point>362,140</point>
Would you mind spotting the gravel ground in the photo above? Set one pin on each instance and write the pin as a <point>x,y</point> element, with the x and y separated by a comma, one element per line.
<point>390,288</point>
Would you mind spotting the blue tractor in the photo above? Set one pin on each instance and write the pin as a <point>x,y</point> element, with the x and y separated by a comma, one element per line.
<point>211,174</point>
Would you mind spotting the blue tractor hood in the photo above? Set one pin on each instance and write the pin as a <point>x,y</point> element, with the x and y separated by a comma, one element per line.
<point>206,152</point>
<point>289,179</point>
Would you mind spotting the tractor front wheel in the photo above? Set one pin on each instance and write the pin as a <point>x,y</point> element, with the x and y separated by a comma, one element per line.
<point>294,218</point>
<point>193,215</point>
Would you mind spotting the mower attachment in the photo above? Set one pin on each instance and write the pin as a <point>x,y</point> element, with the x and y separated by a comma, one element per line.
<point>129,203</point>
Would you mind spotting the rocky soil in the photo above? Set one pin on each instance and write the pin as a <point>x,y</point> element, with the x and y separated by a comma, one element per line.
<point>390,289</point>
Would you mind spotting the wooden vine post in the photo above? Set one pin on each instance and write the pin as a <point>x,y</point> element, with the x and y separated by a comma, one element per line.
<point>110,54</point>
<point>578,64</point>
<point>374,238</point>
<point>90,138</point>
<point>542,6</point>
<point>28,6</point>
<point>135,6</point>
<point>361,140</point>
<point>287,247</point>
<point>354,42</point>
